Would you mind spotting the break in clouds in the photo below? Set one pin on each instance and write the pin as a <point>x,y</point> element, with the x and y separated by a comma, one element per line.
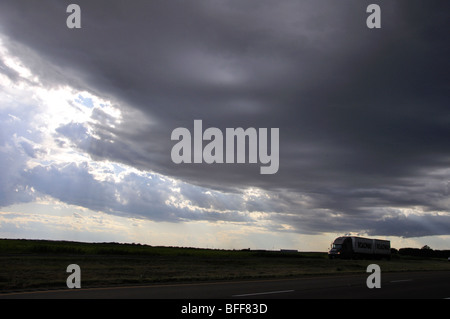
<point>87,114</point>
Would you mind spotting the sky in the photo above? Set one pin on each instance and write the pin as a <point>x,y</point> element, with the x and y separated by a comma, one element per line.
<point>363,115</point>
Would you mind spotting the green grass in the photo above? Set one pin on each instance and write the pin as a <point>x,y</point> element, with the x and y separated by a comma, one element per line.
<point>39,264</point>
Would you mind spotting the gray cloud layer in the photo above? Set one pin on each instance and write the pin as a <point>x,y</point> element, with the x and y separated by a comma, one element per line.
<point>363,114</point>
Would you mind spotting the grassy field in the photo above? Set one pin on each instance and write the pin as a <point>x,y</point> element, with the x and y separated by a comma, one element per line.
<point>31,264</point>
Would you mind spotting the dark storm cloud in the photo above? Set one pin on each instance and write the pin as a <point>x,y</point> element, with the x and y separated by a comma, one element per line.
<point>363,114</point>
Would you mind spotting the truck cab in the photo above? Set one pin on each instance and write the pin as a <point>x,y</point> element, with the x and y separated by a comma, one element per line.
<point>341,248</point>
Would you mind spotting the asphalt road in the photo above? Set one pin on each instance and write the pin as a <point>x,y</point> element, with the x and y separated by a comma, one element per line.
<point>405,285</point>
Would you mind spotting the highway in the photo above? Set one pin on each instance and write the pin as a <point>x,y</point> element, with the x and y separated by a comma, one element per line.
<point>402,285</point>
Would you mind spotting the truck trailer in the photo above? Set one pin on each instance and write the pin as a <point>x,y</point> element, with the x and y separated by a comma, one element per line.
<point>351,247</point>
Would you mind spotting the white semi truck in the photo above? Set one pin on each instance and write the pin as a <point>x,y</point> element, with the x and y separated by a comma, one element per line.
<point>349,247</point>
